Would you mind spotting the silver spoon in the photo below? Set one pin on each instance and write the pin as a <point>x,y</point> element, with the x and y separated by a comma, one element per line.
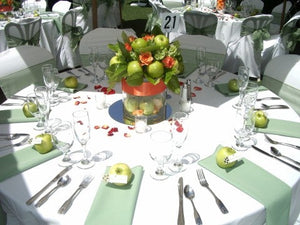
<point>63,181</point>
<point>276,152</point>
<point>190,194</point>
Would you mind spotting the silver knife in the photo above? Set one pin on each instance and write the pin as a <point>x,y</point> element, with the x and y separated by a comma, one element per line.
<point>63,172</point>
<point>272,156</point>
<point>180,220</point>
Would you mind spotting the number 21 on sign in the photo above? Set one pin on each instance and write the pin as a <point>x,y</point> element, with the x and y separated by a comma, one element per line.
<point>169,22</point>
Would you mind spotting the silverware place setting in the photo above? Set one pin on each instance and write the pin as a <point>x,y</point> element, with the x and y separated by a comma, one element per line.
<point>10,137</point>
<point>26,140</point>
<point>85,71</point>
<point>277,153</point>
<point>272,141</point>
<point>190,194</point>
<point>180,219</point>
<point>266,107</point>
<point>267,98</point>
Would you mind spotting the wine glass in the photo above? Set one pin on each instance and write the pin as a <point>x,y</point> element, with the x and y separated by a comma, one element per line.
<point>31,99</point>
<point>93,59</point>
<point>251,93</point>
<point>103,61</point>
<point>43,103</point>
<point>81,125</point>
<point>200,60</point>
<point>179,128</point>
<point>161,151</point>
<point>243,78</point>
<point>212,68</point>
<point>51,81</point>
<point>63,138</point>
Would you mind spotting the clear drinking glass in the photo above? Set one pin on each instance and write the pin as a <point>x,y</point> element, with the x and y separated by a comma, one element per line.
<point>200,60</point>
<point>81,126</point>
<point>93,59</point>
<point>160,151</point>
<point>251,92</point>
<point>43,103</point>
<point>103,62</point>
<point>63,137</point>
<point>31,98</point>
<point>179,128</point>
<point>243,78</point>
<point>51,81</point>
<point>212,68</point>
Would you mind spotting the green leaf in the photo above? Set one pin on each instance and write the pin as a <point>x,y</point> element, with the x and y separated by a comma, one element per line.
<point>135,79</point>
<point>125,37</point>
<point>174,85</point>
<point>115,72</point>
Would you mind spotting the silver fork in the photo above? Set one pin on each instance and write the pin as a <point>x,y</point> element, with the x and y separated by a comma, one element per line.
<point>281,143</point>
<point>204,183</point>
<point>68,203</point>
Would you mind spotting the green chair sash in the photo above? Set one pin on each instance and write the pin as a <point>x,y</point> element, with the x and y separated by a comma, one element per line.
<point>292,36</point>
<point>76,34</point>
<point>210,30</point>
<point>14,41</point>
<point>258,36</point>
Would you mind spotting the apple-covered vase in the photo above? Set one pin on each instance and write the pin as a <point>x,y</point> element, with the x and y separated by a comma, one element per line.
<point>146,99</point>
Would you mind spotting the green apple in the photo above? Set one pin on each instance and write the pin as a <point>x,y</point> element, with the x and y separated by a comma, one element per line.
<point>121,169</point>
<point>134,67</point>
<point>138,43</point>
<point>130,104</point>
<point>179,66</point>
<point>71,82</point>
<point>161,40</point>
<point>46,143</point>
<point>29,108</point>
<point>147,107</point>
<point>155,69</point>
<point>261,120</point>
<point>221,156</point>
<point>233,85</point>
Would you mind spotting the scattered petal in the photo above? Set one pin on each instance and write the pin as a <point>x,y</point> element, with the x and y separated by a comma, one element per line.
<point>105,127</point>
<point>98,86</point>
<point>197,88</point>
<point>193,95</point>
<point>127,135</point>
<point>77,102</point>
<point>130,127</point>
<point>97,127</point>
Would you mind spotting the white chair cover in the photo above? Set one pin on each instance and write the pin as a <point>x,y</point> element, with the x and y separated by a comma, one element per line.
<point>173,3</point>
<point>200,23</point>
<point>252,4</point>
<point>281,76</point>
<point>247,50</point>
<point>276,12</point>
<point>22,67</point>
<point>26,31</point>
<point>74,26</point>
<point>61,6</point>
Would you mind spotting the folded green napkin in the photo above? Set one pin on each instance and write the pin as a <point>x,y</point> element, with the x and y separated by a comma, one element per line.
<point>223,89</point>
<point>274,194</point>
<point>24,159</point>
<point>281,127</point>
<point>71,90</point>
<point>15,116</point>
<point>115,205</point>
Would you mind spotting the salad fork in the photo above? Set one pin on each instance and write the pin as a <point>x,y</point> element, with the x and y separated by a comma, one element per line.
<point>281,143</point>
<point>204,183</point>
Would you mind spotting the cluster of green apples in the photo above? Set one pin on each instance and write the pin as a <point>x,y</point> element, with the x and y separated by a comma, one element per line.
<point>146,106</point>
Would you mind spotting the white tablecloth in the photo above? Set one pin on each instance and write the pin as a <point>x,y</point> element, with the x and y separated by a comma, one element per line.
<point>211,125</point>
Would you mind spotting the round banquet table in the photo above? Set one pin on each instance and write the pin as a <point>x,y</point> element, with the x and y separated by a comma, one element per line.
<point>211,124</point>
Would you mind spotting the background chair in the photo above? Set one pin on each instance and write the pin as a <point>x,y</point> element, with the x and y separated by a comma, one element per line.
<point>61,6</point>
<point>276,12</point>
<point>74,26</point>
<point>22,67</point>
<point>247,49</point>
<point>27,31</point>
<point>200,23</point>
<point>281,76</point>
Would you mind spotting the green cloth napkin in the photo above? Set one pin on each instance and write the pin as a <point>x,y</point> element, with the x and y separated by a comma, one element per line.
<point>274,194</point>
<point>15,116</point>
<point>281,127</point>
<point>115,205</point>
<point>71,90</point>
<point>24,159</point>
<point>223,89</point>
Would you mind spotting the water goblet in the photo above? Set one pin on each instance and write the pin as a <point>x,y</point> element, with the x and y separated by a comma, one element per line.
<point>93,59</point>
<point>31,99</point>
<point>51,81</point>
<point>63,138</point>
<point>251,92</point>
<point>179,128</point>
<point>81,126</point>
<point>43,103</point>
<point>243,78</point>
<point>200,60</point>
<point>212,68</point>
<point>103,62</point>
<point>161,151</point>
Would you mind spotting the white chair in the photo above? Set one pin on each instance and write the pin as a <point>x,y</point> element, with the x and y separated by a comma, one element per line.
<point>22,67</point>
<point>281,76</point>
<point>200,23</point>
<point>214,48</point>
<point>173,3</point>
<point>282,43</point>
<point>26,31</point>
<point>250,5</point>
<point>74,26</point>
<point>247,49</point>
<point>61,6</point>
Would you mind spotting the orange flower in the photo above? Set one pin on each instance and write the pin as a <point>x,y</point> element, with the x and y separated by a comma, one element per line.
<point>145,58</point>
<point>131,38</point>
<point>148,37</point>
<point>168,62</point>
<point>128,47</point>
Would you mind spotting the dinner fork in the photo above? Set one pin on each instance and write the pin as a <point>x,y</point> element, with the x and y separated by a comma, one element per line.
<point>281,143</point>
<point>27,139</point>
<point>204,183</point>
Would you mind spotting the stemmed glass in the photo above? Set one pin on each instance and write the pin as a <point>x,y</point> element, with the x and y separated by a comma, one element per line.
<point>63,138</point>
<point>51,81</point>
<point>93,59</point>
<point>200,60</point>
<point>179,128</point>
<point>243,78</point>
<point>43,103</point>
<point>81,125</point>
<point>161,151</point>
<point>103,62</point>
<point>31,99</point>
<point>212,68</point>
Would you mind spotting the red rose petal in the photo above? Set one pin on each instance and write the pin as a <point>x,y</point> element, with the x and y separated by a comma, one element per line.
<point>98,86</point>
<point>105,127</point>
<point>179,129</point>
<point>197,88</point>
<point>127,135</point>
<point>96,127</point>
<point>193,95</point>
<point>77,103</point>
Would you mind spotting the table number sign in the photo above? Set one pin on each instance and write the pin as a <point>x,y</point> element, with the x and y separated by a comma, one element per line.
<point>169,22</point>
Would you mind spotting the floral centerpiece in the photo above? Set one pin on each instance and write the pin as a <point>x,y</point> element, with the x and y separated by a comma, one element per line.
<point>6,5</point>
<point>146,66</point>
